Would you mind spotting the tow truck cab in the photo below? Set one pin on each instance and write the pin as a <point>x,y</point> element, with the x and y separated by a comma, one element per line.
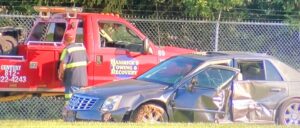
<point>126,53</point>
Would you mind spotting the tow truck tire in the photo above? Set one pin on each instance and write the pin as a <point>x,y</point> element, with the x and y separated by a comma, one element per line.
<point>150,113</point>
<point>8,45</point>
<point>288,113</point>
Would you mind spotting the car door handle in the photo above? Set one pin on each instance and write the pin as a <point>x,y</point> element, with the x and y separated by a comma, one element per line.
<point>276,89</point>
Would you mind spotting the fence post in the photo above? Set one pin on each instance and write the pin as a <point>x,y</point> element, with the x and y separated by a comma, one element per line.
<point>157,23</point>
<point>217,32</point>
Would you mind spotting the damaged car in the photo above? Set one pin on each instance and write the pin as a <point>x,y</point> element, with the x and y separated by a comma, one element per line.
<point>207,87</point>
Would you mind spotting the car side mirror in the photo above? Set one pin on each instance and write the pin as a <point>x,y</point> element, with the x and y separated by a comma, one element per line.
<point>239,76</point>
<point>146,47</point>
<point>192,85</point>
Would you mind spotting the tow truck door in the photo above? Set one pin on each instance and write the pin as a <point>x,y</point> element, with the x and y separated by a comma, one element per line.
<point>44,45</point>
<point>122,56</point>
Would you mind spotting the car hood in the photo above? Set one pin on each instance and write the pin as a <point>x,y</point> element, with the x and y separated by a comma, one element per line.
<point>122,87</point>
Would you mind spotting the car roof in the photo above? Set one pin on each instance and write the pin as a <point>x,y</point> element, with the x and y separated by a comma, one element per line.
<point>286,71</point>
<point>205,56</point>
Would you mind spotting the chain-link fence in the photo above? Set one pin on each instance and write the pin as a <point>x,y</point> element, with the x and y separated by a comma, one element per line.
<point>277,39</point>
<point>23,21</point>
<point>37,108</point>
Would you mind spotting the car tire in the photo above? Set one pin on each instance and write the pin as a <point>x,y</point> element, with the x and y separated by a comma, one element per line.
<point>68,115</point>
<point>150,113</point>
<point>288,112</point>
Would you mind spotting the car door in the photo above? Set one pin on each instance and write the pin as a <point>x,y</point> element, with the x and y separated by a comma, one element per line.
<point>204,97</point>
<point>257,94</point>
<point>119,52</point>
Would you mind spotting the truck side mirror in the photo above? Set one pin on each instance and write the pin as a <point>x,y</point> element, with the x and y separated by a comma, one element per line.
<point>146,47</point>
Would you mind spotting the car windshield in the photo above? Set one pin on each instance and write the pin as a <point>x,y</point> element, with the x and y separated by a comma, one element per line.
<point>170,71</point>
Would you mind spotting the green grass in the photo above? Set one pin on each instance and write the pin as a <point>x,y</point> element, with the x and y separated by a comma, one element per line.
<point>61,124</point>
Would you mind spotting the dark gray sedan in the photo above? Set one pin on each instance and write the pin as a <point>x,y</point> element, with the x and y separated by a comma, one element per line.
<point>206,87</point>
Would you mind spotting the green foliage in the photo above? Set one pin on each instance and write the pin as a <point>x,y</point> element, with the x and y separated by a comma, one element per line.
<point>25,6</point>
<point>5,22</point>
<point>288,10</point>
<point>208,8</point>
<point>262,10</point>
<point>292,7</point>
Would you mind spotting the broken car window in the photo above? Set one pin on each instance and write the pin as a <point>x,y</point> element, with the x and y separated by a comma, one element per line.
<point>213,77</point>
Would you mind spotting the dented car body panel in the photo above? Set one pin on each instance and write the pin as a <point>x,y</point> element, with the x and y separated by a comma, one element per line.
<point>208,105</point>
<point>257,100</point>
<point>222,87</point>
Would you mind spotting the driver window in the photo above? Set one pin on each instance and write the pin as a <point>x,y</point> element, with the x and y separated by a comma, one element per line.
<point>213,77</point>
<point>48,32</point>
<point>119,36</point>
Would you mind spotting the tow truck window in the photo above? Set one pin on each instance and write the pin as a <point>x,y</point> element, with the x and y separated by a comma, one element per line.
<point>119,36</point>
<point>48,32</point>
<point>79,32</point>
<point>252,70</point>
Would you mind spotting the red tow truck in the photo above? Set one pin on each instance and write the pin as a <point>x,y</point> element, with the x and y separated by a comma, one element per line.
<point>124,54</point>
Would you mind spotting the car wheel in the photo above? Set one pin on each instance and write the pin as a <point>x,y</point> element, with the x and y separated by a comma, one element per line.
<point>150,113</point>
<point>289,112</point>
<point>68,115</point>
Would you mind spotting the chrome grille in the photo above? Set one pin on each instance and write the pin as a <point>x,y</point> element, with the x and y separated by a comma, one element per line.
<point>78,102</point>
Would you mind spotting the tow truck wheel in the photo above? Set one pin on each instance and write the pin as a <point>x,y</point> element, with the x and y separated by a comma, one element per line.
<point>150,113</point>
<point>289,112</point>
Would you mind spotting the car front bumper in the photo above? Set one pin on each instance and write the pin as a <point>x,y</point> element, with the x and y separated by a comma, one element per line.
<point>95,115</point>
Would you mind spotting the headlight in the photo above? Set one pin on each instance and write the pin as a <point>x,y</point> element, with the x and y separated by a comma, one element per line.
<point>111,103</point>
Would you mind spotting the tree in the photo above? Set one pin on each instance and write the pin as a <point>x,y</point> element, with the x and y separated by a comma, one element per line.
<point>25,6</point>
<point>209,9</point>
<point>182,8</point>
<point>272,10</point>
